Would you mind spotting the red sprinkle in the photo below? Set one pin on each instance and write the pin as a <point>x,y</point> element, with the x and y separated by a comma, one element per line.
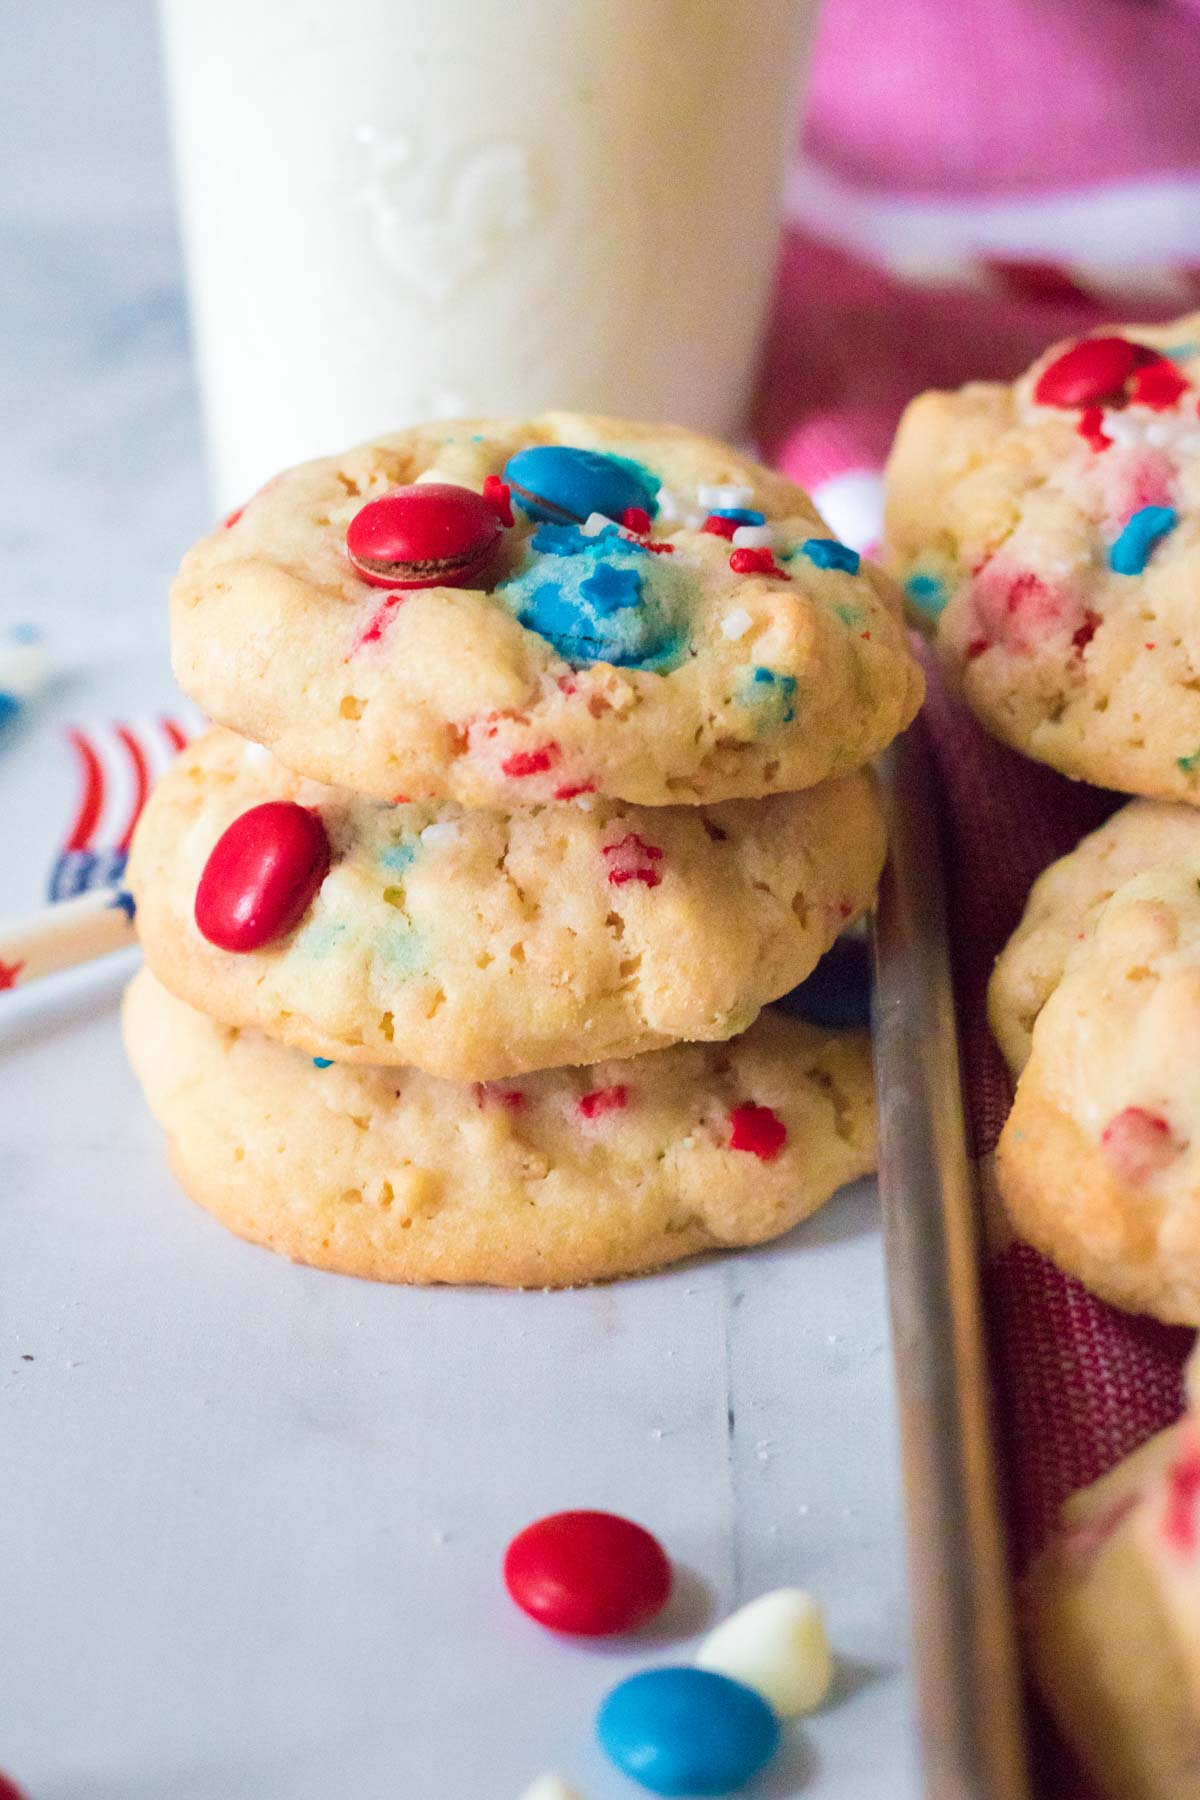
<point>758,1130</point>
<point>636,519</point>
<point>1138,1143</point>
<point>511,1098</point>
<point>603,1100</point>
<point>587,1573</point>
<point>1087,631</point>
<point>716,526</point>
<point>530,762</point>
<point>757,562</point>
<point>229,520</point>
<point>1091,427</point>
<point>573,790</point>
<point>498,495</point>
<point>1183,1489</point>
<point>261,876</point>
<point>8,975</point>
<point>632,859</point>
<point>374,629</point>
<point>1091,371</point>
<point>1158,384</point>
<point>976,647</point>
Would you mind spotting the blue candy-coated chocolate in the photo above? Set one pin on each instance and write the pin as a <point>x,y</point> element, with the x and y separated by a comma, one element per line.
<point>929,595</point>
<point>1140,537</point>
<point>558,483</point>
<point>838,992</point>
<point>827,553</point>
<point>687,1731</point>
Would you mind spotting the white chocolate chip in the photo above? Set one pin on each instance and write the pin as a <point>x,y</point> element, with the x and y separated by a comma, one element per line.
<point>753,537</point>
<point>729,496</point>
<point>442,832</point>
<point>595,523</point>
<point>776,1645</point>
<point>550,1787</point>
<point>736,623</point>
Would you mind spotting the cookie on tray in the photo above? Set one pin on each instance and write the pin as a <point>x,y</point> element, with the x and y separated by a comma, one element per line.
<point>476,945</point>
<point>1113,1613</point>
<point>1099,1162</point>
<point>570,1175</point>
<point>1064,903</point>
<point>663,621</point>
<point>1048,535</point>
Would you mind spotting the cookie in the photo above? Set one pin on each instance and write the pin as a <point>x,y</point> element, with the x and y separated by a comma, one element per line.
<point>1063,905</point>
<point>1099,1162</point>
<point>718,645</point>
<point>1048,535</point>
<point>571,1175</point>
<point>477,945</point>
<point>1112,1607</point>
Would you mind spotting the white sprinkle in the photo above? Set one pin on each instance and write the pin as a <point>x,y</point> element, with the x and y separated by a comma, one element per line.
<point>753,537</point>
<point>595,523</point>
<point>441,832</point>
<point>724,497</point>
<point>255,756</point>
<point>668,505</point>
<point>1121,428</point>
<point>737,623</point>
<point>550,1787</point>
<point>1158,434</point>
<point>776,1645</point>
<point>585,802</point>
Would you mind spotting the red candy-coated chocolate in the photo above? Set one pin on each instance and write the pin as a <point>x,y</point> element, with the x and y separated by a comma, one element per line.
<point>434,534</point>
<point>758,1130</point>
<point>261,876</point>
<point>1091,371</point>
<point>1158,384</point>
<point>587,1573</point>
<point>498,495</point>
<point>603,1100</point>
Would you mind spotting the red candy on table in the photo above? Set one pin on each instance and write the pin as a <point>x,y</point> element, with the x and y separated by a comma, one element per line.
<point>261,876</point>
<point>1093,370</point>
<point>433,534</point>
<point>588,1574</point>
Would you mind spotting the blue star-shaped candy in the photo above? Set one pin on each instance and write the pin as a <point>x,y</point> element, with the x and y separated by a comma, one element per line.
<point>609,590</point>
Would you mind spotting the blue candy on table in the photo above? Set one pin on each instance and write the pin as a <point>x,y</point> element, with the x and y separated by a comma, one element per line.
<point>838,992</point>
<point>562,485</point>
<point>687,1731</point>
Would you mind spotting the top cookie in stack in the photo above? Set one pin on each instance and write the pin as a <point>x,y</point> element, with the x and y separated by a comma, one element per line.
<point>555,768</point>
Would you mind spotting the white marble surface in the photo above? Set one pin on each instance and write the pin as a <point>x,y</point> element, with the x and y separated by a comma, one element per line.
<point>253,1516</point>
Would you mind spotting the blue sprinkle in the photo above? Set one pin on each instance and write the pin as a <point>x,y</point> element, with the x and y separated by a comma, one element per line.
<point>123,901</point>
<point>827,553</point>
<point>610,589</point>
<point>400,856</point>
<point>687,1731</point>
<point>322,1062</point>
<point>786,685</point>
<point>1140,537</point>
<point>741,515</point>
<point>764,674</point>
<point>1181,352</point>
<point>929,595</point>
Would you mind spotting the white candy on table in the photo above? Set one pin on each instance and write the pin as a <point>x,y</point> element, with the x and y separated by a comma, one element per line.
<point>550,1787</point>
<point>776,1645</point>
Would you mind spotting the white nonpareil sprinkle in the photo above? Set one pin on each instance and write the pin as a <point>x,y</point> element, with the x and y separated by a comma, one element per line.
<point>256,756</point>
<point>737,623</point>
<point>776,1645</point>
<point>753,537</point>
<point>441,832</point>
<point>729,496</point>
<point>669,505</point>
<point>595,523</point>
<point>585,802</point>
<point>1121,428</point>
<point>550,1787</point>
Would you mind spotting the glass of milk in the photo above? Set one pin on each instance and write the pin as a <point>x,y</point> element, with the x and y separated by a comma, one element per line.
<point>396,210</point>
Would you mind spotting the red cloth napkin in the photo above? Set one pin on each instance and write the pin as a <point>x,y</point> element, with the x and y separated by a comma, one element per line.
<point>1079,1385</point>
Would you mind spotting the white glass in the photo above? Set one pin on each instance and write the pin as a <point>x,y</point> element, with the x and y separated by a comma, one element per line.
<point>403,209</point>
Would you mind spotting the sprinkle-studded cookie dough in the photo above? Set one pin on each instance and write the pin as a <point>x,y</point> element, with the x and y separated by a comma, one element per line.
<point>567,1176</point>
<point>477,945</point>
<point>1048,536</point>
<point>1065,902</point>
<point>1099,1163</point>
<point>619,609</point>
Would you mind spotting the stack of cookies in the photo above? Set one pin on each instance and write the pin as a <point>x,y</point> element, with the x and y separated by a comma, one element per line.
<point>539,774</point>
<point>1048,533</point>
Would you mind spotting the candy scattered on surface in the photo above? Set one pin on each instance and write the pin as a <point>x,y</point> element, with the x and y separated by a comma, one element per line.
<point>1091,371</point>
<point>758,1130</point>
<point>563,485</point>
<point>828,553</point>
<point>687,1731</point>
<point>1140,537</point>
<point>588,1574</point>
<point>838,992</point>
<point>551,1787</point>
<point>777,1646</point>
<point>261,876</point>
<point>433,534</point>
